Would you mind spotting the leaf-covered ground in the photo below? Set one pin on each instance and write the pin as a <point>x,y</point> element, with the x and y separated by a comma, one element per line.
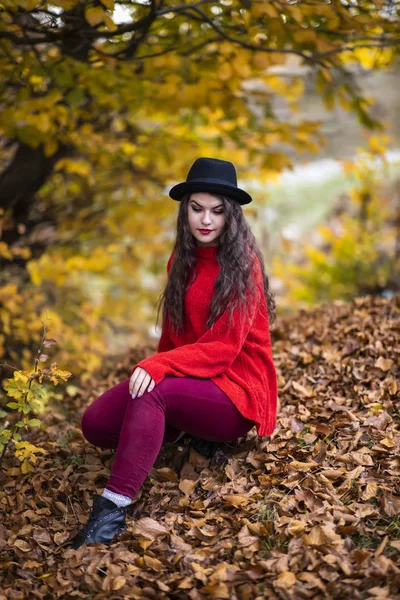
<point>312,513</point>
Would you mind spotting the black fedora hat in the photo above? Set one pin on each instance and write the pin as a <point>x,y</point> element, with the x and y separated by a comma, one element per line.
<point>211,175</point>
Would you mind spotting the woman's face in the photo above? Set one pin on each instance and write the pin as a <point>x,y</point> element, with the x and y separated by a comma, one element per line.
<point>206,211</point>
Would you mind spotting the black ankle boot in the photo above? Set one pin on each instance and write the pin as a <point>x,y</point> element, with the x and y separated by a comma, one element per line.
<point>106,520</point>
<point>204,447</point>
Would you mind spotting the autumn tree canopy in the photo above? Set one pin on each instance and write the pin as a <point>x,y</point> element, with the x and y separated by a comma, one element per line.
<point>76,83</point>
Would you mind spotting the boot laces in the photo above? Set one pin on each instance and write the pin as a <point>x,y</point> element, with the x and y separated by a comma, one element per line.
<point>89,526</point>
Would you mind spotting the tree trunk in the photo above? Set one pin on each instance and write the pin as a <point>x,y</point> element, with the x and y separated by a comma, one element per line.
<point>24,176</point>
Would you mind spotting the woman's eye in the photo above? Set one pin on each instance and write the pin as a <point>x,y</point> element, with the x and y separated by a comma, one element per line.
<point>216,213</point>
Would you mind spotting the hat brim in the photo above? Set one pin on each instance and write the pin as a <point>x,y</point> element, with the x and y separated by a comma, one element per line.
<point>185,187</point>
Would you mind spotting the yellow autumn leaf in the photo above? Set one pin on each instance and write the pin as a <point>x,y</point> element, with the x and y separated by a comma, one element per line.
<point>50,147</point>
<point>261,60</point>
<point>241,67</point>
<point>108,4</point>
<point>109,23</point>
<point>296,13</point>
<point>42,122</point>
<point>225,71</point>
<point>26,467</point>
<point>66,4</point>
<point>95,15</point>
<point>306,36</point>
<point>20,377</point>
<point>4,251</point>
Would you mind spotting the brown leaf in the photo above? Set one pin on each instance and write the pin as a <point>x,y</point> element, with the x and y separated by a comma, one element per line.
<point>218,591</point>
<point>60,537</point>
<point>236,500</point>
<point>322,428</point>
<point>32,564</point>
<point>307,392</point>
<point>198,460</point>
<point>179,544</point>
<point>153,563</point>
<point>22,545</point>
<point>187,486</point>
<point>118,583</point>
<point>371,490</point>
<point>390,504</point>
<point>385,364</point>
<point>164,474</point>
<point>42,536</point>
<point>205,535</point>
<point>303,466</point>
<point>149,528</point>
<point>295,527</point>
<point>361,458</point>
<point>286,580</point>
<point>127,556</point>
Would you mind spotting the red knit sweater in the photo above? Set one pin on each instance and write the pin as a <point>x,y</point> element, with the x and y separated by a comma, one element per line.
<point>239,363</point>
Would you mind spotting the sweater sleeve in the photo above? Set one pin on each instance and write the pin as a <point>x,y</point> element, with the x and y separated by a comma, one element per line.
<point>213,353</point>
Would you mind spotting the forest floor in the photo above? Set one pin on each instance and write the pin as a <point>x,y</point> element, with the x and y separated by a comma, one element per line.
<point>313,512</point>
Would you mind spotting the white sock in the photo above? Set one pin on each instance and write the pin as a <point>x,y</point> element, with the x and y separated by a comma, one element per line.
<point>118,499</point>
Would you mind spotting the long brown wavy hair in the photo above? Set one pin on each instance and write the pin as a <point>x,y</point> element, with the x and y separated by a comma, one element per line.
<point>235,254</point>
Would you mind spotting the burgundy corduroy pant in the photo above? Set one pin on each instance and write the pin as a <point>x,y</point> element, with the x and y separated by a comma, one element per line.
<point>137,427</point>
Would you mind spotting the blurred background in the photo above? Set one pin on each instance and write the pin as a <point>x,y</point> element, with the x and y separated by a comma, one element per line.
<point>105,106</point>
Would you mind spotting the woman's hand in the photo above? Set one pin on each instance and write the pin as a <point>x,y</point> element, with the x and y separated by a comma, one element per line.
<point>139,381</point>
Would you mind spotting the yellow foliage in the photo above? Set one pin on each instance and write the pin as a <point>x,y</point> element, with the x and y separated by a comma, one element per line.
<point>95,15</point>
<point>108,4</point>
<point>29,395</point>
<point>377,145</point>
<point>370,58</point>
<point>26,454</point>
<point>304,37</point>
<point>225,71</point>
<point>78,167</point>
<point>20,377</point>
<point>264,7</point>
<point>261,60</point>
<point>357,255</point>
<point>291,89</point>
<point>241,65</point>
<point>66,4</point>
<point>5,251</point>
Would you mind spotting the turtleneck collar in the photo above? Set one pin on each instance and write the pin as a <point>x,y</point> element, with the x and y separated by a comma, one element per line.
<point>206,251</point>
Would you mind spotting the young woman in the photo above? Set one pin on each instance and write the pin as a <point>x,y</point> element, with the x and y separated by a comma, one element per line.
<point>213,376</point>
